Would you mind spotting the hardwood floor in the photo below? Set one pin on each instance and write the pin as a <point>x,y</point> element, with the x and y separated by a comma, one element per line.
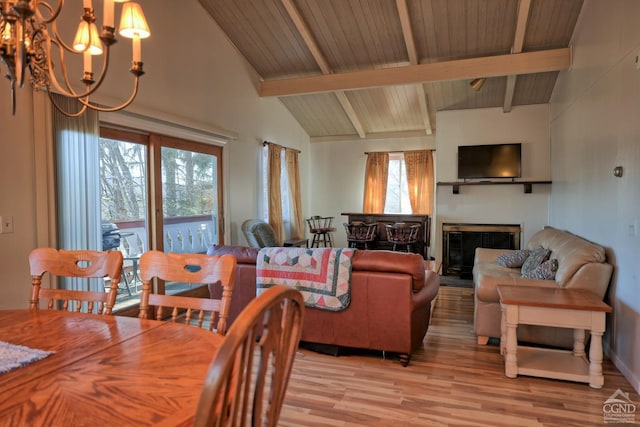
<point>450,381</point>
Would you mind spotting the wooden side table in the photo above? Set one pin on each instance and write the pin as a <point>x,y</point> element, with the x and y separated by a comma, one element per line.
<point>578,309</point>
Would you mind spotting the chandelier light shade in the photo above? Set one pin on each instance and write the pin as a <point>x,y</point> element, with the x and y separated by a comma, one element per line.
<point>87,36</point>
<point>133,23</point>
<point>30,41</point>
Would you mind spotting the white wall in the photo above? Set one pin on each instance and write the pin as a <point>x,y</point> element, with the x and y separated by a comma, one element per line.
<point>192,74</point>
<point>498,204</point>
<point>595,126</point>
<point>16,197</point>
<point>337,171</point>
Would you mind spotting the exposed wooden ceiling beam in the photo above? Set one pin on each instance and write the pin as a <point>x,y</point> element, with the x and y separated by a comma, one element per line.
<point>311,43</point>
<point>371,136</point>
<point>461,69</point>
<point>306,35</point>
<point>351,113</point>
<point>521,26</point>
<point>424,109</point>
<point>407,32</point>
<point>508,93</point>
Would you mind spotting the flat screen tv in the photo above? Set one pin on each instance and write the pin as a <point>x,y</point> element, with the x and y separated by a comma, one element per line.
<point>489,161</point>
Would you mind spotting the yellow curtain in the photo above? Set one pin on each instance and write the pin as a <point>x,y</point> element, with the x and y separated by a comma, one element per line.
<point>293,173</point>
<point>375,182</point>
<point>419,166</point>
<point>275,196</point>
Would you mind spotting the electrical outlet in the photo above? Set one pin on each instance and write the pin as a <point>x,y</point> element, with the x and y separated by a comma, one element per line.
<point>631,230</point>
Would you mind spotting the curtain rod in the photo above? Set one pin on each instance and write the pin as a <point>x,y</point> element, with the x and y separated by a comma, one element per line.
<point>396,152</point>
<point>286,148</point>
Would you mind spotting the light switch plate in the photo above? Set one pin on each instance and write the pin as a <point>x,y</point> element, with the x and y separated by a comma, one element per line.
<point>6,224</point>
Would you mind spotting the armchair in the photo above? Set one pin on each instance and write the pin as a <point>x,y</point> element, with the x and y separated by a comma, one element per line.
<point>259,234</point>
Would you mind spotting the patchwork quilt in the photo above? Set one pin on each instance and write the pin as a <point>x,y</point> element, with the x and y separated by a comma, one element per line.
<point>322,275</point>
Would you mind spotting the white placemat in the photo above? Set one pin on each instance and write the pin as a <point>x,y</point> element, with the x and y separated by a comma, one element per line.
<point>13,356</point>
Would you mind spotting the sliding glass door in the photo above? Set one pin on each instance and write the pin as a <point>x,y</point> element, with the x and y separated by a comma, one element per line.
<point>161,193</point>
<point>189,198</point>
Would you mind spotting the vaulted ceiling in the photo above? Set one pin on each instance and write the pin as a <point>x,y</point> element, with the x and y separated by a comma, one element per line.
<point>349,69</point>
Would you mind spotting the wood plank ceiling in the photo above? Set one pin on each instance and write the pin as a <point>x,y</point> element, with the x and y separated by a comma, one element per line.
<point>349,69</point>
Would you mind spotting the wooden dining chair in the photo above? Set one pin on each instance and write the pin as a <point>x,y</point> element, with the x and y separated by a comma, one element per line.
<point>266,332</point>
<point>79,264</point>
<point>192,269</point>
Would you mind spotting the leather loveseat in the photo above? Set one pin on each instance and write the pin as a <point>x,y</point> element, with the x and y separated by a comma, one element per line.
<point>390,305</point>
<point>580,265</point>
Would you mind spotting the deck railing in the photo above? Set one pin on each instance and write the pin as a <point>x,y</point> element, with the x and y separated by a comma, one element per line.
<point>192,234</point>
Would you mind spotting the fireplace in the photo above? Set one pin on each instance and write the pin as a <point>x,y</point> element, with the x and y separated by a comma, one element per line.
<point>459,243</point>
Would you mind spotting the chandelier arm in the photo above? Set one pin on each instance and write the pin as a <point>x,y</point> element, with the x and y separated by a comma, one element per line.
<point>69,92</point>
<point>53,78</point>
<point>13,97</point>
<point>21,52</point>
<point>60,41</point>
<point>54,14</point>
<point>125,104</point>
<point>63,111</point>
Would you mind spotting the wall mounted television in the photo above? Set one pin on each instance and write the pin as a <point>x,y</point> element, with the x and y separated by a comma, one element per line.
<point>489,161</point>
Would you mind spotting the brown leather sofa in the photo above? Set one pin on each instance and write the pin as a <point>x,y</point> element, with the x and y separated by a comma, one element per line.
<point>390,305</point>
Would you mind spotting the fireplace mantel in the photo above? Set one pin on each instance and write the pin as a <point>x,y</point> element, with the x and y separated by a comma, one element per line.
<point>528,185</point>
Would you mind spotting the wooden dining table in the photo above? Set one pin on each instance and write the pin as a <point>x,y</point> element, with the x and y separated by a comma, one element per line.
<point>105,370</point>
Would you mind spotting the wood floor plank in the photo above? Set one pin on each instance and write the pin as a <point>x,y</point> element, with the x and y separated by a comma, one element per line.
<point>451,380</point>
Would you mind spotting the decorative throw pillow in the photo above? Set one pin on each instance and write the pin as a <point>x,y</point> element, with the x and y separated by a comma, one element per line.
<point>513,259</point>
<point>545,271</point>
<point>537,257</point>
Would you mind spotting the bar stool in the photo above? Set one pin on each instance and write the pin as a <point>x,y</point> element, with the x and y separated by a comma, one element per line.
<point>321,227</point>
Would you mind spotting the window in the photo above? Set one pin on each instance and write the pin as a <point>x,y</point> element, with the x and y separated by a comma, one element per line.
<point>399,182</point>
<point>397,200</point>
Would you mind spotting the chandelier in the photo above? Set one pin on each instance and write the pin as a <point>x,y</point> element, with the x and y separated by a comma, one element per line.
<point>29,40</point>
